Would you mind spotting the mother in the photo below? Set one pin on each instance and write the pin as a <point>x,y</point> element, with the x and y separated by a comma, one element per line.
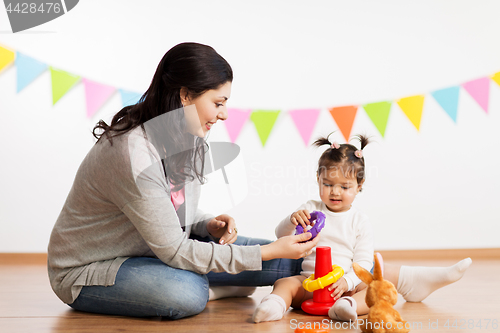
<point>130,239</point>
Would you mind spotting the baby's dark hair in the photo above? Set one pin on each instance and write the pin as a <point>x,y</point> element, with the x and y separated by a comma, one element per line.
<point>345,157</point>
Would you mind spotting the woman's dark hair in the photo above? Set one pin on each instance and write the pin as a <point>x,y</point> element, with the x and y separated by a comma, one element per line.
<point>345,157</point>
<point>195,67</point>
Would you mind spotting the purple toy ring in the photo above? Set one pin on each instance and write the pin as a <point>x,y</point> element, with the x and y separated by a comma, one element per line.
<point>317,216</point>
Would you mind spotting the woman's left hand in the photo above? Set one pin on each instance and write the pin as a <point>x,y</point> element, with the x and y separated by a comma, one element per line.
<point>224,228</point>
<point>340,288</point>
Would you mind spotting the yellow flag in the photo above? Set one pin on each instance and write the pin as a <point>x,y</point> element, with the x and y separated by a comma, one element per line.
<point>413,106</point>
<point>496,78</point>
<point>6,57</point>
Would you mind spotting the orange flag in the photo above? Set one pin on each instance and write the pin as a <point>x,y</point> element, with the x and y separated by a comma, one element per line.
<point>344,117</point>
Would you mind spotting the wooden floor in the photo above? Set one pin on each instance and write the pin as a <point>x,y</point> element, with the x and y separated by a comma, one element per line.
<point>27,304</point>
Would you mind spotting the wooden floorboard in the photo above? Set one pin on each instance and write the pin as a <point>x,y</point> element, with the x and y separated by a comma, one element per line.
<point>452,254</point>
<point>27,304</point>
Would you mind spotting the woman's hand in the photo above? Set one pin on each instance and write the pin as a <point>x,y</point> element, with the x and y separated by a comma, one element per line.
<point>224,228</point>
<point>340,288</point>
<point>301,216</point>
<point>290,247</point>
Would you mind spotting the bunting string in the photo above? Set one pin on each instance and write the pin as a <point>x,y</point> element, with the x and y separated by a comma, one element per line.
<point>96,95</point>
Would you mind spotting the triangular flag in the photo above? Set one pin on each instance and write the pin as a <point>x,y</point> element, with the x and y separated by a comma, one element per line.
<point>412,107</point>
<point>448,99</point>
<point>129,97</point>
<point>28,69</point>
<point>305,120</point>
<point>96,94</point>
<point>6,57</point>
<point>264,121</point>
<point>496,78</point>
<point>344,118</point>
<point>379,114</point>
<point>62,82</point>
<point>479,89</point>
<point>236,118</point>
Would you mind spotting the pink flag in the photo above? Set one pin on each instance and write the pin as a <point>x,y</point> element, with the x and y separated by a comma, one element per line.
<point>96,94</point>
<point>479,90</point>
<point>305,120</point>
<point>236,118</point>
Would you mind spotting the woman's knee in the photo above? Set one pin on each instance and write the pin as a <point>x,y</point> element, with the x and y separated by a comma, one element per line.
<point>161,290</point>
<point>178,300</point>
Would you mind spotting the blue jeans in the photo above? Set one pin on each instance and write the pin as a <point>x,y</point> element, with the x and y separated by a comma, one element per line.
<point>146,287</point>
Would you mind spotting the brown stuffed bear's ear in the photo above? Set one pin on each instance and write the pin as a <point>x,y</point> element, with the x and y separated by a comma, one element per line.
<point>362,273</point>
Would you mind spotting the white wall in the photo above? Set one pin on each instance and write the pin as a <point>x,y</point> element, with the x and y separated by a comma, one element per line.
<point>432,189</point>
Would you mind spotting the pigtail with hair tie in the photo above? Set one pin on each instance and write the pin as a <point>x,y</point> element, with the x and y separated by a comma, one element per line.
<point>364,140</point>
<point>324,141</point>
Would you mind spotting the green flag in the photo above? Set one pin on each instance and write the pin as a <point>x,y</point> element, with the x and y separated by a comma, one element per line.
<point>379,114</point>
<point>264,121</point>
<point>62,82</point>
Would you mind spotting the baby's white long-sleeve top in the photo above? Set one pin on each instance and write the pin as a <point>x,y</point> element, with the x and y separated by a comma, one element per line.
<point>348,234</point>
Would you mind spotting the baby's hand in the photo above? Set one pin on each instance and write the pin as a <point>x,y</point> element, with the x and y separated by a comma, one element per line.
<point>302,216</point>
<point>340,288</point>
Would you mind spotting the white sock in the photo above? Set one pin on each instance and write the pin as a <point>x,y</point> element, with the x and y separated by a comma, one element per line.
<point>344,309</point>
<point>272,307</point>
<point>229,291</point>
<point>416,283</point>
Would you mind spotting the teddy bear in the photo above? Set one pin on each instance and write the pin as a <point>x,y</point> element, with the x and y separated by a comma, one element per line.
<point>381,296</point>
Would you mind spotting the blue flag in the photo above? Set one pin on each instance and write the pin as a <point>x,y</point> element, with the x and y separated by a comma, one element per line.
<point>28,69</point>
<point>448,99</point>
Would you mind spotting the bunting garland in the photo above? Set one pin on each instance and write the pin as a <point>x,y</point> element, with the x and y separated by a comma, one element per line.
<point>305,120</point>
<point>28,69</point>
